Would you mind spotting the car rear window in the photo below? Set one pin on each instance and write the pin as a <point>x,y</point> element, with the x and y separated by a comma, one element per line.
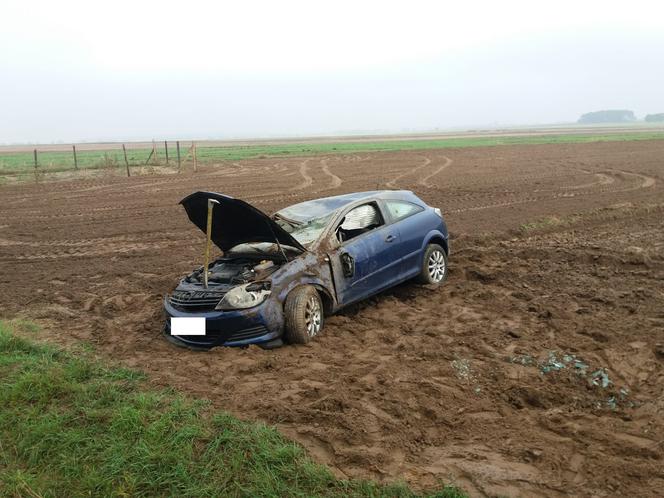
<point>402,209</point>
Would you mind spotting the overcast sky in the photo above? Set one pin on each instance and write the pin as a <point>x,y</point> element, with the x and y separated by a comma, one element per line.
<point>121,70</point>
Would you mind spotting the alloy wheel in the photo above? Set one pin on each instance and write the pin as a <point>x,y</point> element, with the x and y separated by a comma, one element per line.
<point>436,265</point>
<point>313,316</point>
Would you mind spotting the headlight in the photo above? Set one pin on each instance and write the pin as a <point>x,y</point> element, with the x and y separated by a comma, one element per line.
<point>244,296</point>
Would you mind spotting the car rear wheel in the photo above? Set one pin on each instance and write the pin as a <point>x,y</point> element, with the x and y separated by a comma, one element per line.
<point>303,315</point>
<point>434,265</point>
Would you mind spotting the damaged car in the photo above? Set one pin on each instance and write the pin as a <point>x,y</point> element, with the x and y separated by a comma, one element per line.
<point>279,276</point>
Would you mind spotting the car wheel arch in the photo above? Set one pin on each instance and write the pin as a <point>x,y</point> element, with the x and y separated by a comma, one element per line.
<point>436,238</point>
<point>325,295</point>
<point>326,298</point>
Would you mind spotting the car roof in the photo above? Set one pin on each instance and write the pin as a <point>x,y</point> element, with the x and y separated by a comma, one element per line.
<point>316,208</point>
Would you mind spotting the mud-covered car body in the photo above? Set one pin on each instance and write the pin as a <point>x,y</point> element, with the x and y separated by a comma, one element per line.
<point>357,245</point>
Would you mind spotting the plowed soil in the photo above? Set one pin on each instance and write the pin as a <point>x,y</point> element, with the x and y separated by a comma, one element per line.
<point>536,370</point>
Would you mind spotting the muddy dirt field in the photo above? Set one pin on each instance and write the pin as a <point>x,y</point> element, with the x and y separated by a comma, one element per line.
<point>538,369</point>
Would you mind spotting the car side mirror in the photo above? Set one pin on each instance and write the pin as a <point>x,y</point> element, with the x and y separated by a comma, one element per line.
<point>347,265</point>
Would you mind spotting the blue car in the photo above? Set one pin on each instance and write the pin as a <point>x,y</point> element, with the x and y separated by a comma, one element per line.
<point>279,276</point>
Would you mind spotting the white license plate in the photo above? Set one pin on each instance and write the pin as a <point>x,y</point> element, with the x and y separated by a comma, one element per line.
<point>188,325</point>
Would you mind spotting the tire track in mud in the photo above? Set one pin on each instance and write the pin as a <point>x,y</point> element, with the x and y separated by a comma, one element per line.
<point>424,181</point>
<point>646,181</point>
<point>278,167</point>
<point>299,190</point>
<point>277,197</point>
<point>174,180</point>
<point>605,178</point>
<point>307,181</point>
<point>115,191</point>
<point>335,181</point>
<point>393,183</point>
<point>117,187</point>
<point>601,179</point>
<point>608,178</point>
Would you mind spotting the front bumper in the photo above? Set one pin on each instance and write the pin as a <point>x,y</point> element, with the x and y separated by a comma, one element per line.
<point>260,325</point>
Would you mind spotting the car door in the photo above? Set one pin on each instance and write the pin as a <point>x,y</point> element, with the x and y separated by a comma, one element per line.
<point>366,260</point>
<point>412,223</point>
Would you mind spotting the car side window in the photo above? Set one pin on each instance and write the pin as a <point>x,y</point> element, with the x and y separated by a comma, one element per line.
<point>358,221</point>
<point>402,209</point>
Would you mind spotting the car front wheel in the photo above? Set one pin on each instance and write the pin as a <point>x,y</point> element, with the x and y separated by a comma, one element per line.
<point>434,265</point>
<point>303,314</point>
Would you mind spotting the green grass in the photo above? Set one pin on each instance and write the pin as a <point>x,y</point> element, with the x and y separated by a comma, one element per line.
<point>113,158</point>
<point>16,162</point>
<point>546,222</point>
<point>70,426</point>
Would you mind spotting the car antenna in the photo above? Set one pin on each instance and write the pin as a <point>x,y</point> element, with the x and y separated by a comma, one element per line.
<point>208,241</point>
<point>281,249</point>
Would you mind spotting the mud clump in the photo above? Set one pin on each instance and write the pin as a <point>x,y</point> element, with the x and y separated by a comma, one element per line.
<point>659,351</point>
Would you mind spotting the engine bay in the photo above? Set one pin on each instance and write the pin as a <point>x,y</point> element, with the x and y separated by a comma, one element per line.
<point>234,271</point>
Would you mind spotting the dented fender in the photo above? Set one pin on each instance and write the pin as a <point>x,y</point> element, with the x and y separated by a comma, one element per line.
<point>307,269</point>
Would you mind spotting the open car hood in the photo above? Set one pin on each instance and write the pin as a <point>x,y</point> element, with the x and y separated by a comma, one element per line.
<point>235,222</point>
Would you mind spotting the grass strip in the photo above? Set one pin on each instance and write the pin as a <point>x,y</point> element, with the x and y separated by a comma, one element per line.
<point>72,426</point>
<point>17,162</point>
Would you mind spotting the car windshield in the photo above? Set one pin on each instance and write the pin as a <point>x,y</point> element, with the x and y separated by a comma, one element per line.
<point>307,220</point>
<point>318,208</point>
<point>306,231</point>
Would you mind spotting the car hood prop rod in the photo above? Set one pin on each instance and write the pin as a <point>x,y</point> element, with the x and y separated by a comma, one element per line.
<point>276,239</point>
<point>208,239</point>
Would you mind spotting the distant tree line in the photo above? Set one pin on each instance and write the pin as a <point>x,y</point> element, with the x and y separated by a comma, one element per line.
<point>617,116</point>
<point>655,118</point>
<point>608,116</point>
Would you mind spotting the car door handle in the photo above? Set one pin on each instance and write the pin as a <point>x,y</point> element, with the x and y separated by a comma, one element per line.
<point>390,238</point>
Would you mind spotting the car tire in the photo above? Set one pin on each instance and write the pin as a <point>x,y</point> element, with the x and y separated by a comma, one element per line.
<point>303,315</point>
<point>434,266</point>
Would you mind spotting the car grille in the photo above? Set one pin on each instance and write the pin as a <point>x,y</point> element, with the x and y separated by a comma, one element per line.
<point>195,300</point>
<point>250,333</point>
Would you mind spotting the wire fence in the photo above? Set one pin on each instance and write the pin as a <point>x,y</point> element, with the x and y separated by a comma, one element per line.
<point>117,159</point>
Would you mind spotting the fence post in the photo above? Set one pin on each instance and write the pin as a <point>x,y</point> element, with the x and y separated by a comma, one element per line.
<point>36,165</point>
<point>124,151</point>
<point>166,149</point>
<point>75,158</point>
<point>149,157</point>
<point>193,151</point>
<point>154,153</point>
<point>177,146</point>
